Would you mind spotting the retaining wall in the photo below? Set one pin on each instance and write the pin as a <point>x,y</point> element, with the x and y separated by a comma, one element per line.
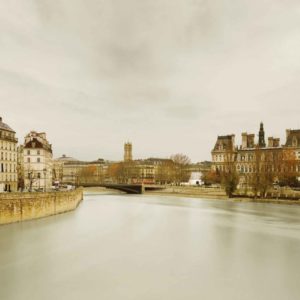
<point>16,207</point>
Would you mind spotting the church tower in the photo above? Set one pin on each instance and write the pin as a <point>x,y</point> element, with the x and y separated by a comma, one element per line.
<point>127,152</point>
<point>261,136</point>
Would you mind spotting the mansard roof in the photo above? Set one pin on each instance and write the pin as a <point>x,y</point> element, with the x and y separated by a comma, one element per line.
<point>36,144</point>
<point>293,138</point>
<point>4,126</point>
<point>224,142</point>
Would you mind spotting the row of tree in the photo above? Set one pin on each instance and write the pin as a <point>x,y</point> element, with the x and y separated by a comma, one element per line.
<point>173,170</point>
<point>266,169</point>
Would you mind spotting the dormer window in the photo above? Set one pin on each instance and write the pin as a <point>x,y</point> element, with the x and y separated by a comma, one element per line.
<point>294,142</point>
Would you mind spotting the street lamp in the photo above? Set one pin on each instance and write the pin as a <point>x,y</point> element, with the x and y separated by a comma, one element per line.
<point>45,172</point>
<point>30,180</point>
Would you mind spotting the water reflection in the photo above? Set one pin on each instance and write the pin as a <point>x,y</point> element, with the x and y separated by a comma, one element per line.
<point>148,247</point>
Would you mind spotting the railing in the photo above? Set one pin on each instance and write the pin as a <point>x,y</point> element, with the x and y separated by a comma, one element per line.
<point>9,139</point>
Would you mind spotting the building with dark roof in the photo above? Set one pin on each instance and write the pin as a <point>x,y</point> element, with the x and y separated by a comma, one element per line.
<point>245,157</point>
<point>38,163</point>
<point>292,138</point>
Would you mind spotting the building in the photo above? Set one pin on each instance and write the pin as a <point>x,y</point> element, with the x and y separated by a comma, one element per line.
<point>146,171</point>
<point>68,170</point>
<point>127,152</point>
<point>250,158</point>
<point>61,174</point>
<point>38,165</point>
<point>224,151</point>
<point>196,179</point>
<point>8,159</point>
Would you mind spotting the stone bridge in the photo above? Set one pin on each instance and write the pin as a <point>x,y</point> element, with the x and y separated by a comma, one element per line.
<point>127,188</point>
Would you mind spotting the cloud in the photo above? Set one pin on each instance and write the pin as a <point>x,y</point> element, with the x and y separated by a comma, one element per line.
<point>102,72</point>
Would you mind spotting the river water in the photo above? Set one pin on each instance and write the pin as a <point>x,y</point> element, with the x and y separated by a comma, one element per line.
<point>150,247</point>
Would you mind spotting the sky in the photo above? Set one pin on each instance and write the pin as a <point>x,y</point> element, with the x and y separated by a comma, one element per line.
<point>168,76</point>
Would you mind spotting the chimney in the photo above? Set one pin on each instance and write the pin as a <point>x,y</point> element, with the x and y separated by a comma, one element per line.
<point>233,141</point>
<point>276,142</point>
<point>251,140</point>
<point>244,140</point>
<point>288,132</point>
<point>270,142</point>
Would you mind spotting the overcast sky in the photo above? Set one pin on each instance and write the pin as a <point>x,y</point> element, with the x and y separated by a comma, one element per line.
<point>167,75</point>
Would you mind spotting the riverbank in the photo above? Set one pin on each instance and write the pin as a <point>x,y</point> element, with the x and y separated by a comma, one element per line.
<point>215,193</point>
<point>17,207</point>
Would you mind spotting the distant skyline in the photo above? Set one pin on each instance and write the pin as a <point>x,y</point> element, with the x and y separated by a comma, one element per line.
<point>169,76</point>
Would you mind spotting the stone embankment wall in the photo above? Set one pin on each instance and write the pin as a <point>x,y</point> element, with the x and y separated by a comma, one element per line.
<point>16,207</point>
<point>192,191</point>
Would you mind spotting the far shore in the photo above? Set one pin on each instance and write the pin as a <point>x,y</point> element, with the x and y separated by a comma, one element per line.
<point>225,198</point>
<point>197,193</point>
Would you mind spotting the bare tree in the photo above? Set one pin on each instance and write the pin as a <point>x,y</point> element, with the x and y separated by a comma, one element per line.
<point>165,172</point>
<point>211,177</point>
<point>90,174</point>
<point>271,166</point>
<point>181,162</point>
<point>229,176</point>
<point>123,172</point>
<point>288,175</point>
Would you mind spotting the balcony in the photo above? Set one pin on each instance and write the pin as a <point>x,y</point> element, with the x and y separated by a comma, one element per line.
<point>9,139</point>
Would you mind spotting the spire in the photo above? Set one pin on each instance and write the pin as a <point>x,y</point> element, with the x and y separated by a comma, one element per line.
<point>261,136</point>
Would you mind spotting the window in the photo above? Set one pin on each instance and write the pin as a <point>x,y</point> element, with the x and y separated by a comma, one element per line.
<point>28,152</point>
<point>28,159</point>
<point>38,152</point>
<point>39,175</point>
<point>38,160</point>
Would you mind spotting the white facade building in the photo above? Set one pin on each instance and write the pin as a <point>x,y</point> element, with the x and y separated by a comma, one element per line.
<point>196,178</point>
<point>8,159</point>
<point>37,161</point>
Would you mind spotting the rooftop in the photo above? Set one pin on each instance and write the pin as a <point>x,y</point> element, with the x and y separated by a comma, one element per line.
<point>4,126</point>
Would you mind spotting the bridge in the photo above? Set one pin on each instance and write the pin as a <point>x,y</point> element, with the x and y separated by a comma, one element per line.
<point>127,188</point>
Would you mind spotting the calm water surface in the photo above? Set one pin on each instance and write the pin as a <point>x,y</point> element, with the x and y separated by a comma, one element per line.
<point>150,247</point>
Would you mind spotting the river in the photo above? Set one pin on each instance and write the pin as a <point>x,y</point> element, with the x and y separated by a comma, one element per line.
<point>132,247</point>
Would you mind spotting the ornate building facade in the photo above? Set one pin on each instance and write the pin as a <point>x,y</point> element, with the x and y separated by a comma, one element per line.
<point>38,165</point>
<point>8,159</point>
<point>251,157</point>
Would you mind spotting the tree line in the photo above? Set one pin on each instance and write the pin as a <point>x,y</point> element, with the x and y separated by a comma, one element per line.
<point>268,168</point>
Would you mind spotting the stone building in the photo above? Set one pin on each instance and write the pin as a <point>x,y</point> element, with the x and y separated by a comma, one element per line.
<point>68,170</point>
<point>250,156</point>
<point>127,152</point>
<point>37,153</point>
<point>8,159</point>
<point>224,152</point>
<point>63,174</point>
